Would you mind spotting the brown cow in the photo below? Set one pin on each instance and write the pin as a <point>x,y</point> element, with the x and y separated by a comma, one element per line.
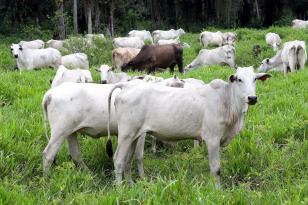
<point>152,57</point>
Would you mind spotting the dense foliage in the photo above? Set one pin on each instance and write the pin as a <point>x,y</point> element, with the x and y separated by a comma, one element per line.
<point>266,164</point>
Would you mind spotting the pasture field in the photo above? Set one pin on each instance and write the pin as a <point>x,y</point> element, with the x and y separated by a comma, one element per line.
<point>266,164</point>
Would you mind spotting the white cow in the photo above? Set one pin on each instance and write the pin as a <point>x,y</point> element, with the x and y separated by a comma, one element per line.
<point>57,44</point>
<point>169,41</point>
<point>220,55</point>
<point>130,42</point>
<point>165,35</point>
<point>65,75</point>
<point>299,24</point>
<point>122,56</point>
<point>75,60</point>
<point>142,34</point>
<point>273,40</point>
<point>274,63</point>
<point>28,59</point>
<point>36,44</point>
<point>214,113</point>
<point>110,77</point>
<point>217,38</point>
<point>294,55</point>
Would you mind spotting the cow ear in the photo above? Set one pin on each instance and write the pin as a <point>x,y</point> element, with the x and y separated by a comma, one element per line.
<point>232,78</point>
<point>20,47</point>
<point>263,76</point>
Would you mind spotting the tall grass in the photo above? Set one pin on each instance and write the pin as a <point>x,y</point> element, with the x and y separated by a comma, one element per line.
<point>265,164</point>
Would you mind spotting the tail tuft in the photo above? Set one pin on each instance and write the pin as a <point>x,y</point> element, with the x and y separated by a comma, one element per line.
<point>109,148</point>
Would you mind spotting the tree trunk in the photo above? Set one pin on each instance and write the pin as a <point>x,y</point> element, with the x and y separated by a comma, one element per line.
<point>111,28</point>
<point>97,17</point>
<point>89,17</point>
<point>257,9</point>
<point>61,22</point>
<point>75,17</point>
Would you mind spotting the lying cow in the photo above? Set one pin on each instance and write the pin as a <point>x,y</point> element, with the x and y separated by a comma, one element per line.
<point>36,44</point>
<point>143,35</point>
<point>220,55</point>
<point>166,35</point>
<point>274,63</point>
<point>214,113</point>
<point>299,24</point>
<point>127,42</point>
<point>169,41</point>
<point>160,56</point>
<point>65,75</point>
<point>294,55</point>
<point>72,108</point>
<point>57,44</point>
<point>109,77</point>
<point>217,38</point>
<point>28,59</point>
<point>273,40</point>
<point>75,60</point>
<point>122,56</point>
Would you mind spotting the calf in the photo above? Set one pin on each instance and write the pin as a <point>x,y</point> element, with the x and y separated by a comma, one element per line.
<point>130,42</point>
<point>216,38</point>
<point>214,113</point>
<point>36,44</point>
<point>75,60</point>
<point>273,40</point>
<point>65,75</point>
<point>28,59</point>
<point>159,56</point>
<point>122,56</point>
<point>220,55</point>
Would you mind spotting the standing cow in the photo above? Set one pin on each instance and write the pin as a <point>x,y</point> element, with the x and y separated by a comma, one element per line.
<point>121,56</point>
<point>214,113</point>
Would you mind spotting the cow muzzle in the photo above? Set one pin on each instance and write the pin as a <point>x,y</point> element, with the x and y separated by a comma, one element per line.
<point>252,100</point>
<point>16,56</point>
<point>104,82</point>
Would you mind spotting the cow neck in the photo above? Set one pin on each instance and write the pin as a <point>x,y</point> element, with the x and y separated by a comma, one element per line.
<point>276,60</point>
<point>236,108</point>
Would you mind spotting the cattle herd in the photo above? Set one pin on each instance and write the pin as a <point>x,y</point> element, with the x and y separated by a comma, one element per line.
<point>134,106</point>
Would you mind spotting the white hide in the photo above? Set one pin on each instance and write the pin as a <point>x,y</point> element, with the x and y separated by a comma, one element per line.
<point>75,60</point>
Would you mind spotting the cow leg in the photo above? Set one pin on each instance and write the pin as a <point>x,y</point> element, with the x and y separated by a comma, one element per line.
<point>196,143</point>
<point>75,151</point>
<point>172,68</point>
<point>51,150</point>
<point>154,144</point>
<point>180,65</point>
<point>139,154</point>
<point>213,147</point>
<point>292,64</point>
<point>128,166</point>
<point>121,157</point>
<point>285,68</point>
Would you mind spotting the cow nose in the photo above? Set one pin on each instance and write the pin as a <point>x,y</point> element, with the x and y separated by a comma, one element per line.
<point>104,82</point>
<point>252,100</point>
<point>16,56</point>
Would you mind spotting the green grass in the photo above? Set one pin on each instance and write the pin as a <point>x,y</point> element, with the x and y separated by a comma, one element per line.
<point>266,164</point>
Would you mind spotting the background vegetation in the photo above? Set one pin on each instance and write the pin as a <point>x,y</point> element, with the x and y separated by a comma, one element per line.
<point>266,164</point>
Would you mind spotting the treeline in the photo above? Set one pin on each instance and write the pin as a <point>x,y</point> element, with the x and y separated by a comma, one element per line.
<point>64,17</point>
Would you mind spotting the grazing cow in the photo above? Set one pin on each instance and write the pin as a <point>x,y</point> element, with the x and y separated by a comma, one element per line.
<point>294,55</point>
<point>169,41</point>
<point>160,56</point>
<point>28,59</point>
<point>57,44</point>
<point>220,55</point>
<point>65,75</point>
<point>166,35</point>
<point>109,77</point>
<point>75,60</point>
<point>122,56</point>
<point>36,44</point>
<point>143,34</point>
<point>273,40</point>
<point>299,24</point>
<point>274,63</point>
<point>130,42</point>
<point>217,38</point>
<point>214,113</point>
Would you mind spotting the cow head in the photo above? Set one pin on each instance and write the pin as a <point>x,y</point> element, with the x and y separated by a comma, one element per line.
<point>265,65</point>
<point>244,84</point>
<point>15,49</point>
<point>229,50</point>
<point>106,73</point>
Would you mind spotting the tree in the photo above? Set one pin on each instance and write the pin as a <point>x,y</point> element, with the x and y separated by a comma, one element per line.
<point>60,19</point>
<point>89,15</point>
<point>75,17</point>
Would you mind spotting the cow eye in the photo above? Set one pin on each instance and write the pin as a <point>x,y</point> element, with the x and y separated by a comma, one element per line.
<point>239,80</point>
<point>11,49</point>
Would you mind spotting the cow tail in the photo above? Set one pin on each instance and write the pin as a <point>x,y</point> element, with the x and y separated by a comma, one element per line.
<point>293,56</point>
<point>46,101</point>
<point>109,142</point>
<point>299,52</point>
